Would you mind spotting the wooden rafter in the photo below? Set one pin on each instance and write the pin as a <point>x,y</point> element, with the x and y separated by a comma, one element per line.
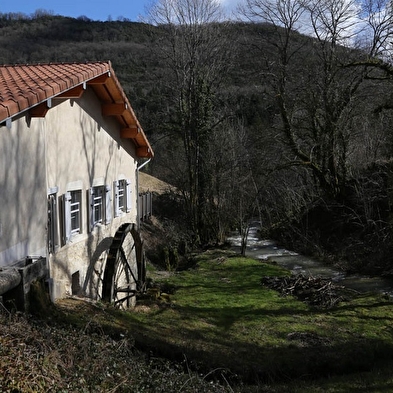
<point>100,80</point>
<point>114,109</point>
<point>39,110</point>
<point>129,132</point>
<point>143,152</point>
<point>76,92</point>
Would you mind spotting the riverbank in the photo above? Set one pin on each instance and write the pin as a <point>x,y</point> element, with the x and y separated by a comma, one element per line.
<point>269,250</point>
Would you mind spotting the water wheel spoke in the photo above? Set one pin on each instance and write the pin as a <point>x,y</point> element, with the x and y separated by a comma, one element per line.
<point>125,289</point>
<point>124,273</point>
<point>125,261</point>
<point>123,299</point>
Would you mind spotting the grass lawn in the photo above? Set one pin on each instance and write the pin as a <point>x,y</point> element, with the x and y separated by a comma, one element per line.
<point>220,317</point>
<point>217,318</point>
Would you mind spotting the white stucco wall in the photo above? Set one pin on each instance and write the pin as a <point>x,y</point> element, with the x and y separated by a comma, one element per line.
<point>22,192</point>
<point>73,147</point>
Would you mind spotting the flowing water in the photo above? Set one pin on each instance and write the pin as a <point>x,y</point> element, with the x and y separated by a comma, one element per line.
<point>268,250</point>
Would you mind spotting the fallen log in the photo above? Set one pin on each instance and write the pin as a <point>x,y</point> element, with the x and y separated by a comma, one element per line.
<point>9,279</point>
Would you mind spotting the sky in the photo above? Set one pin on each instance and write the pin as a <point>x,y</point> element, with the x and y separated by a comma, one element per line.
<point>94,9</point>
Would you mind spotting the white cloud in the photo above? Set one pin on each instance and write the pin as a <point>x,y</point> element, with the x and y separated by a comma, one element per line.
<point>352,23</point>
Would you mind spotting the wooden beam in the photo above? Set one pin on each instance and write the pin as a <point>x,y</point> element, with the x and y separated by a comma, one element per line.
<point>39,110</point>
<point>143,152</point>
<point>114,109</point>
<point>130,132</point>
<point>76,92</point>
<point>100,80</point>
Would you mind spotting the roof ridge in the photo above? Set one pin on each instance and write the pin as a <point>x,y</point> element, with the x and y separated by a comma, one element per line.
<point>56,63</point>
<point>40,82</point>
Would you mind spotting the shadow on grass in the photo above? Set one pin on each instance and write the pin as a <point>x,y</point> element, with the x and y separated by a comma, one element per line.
<point>205,348</point>
<point>258,362</point>
<point>222,317</point>
<point>368,306</point>
<point>306,356</point>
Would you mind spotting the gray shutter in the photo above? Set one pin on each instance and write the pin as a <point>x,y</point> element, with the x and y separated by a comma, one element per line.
<point>91,208</point>
<point>128,193</point>
<point>116,195</point>
<point>67,216</point>
<point>52,223</point>
<point>108,205</point>
<point>150,203</point>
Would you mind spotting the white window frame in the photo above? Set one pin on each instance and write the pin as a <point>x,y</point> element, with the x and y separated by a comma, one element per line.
<point>100,202</point>
<point>122,193</point>
<point>73,208</point>
<point>97,204</point>
<point>76,211</point>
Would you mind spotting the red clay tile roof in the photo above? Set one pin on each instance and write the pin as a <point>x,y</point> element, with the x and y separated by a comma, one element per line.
<point>23,87</point>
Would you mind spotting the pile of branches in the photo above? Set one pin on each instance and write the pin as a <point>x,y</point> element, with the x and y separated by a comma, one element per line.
<point>315,291</point>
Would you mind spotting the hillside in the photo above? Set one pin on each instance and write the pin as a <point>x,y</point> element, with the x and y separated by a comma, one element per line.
<point>128,45</point>
<point>290,133</point>
<point>149,183</point>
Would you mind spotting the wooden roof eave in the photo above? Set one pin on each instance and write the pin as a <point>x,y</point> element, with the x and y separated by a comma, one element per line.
<point>116,104</point>
<point>108,90</point>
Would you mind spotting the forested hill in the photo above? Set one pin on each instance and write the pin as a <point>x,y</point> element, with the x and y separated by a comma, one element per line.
<point>62,39</point>
<point>132,48</point>
<point>128,45</point>
<point>246,120</point>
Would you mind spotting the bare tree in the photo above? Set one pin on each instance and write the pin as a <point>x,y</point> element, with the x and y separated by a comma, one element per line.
<point>333,98</point>
<point>317,108</point>
<point>235,189</point>
<point>377,29</point>
<point>196,54</point>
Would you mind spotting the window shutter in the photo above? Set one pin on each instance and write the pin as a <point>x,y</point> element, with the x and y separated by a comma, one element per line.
<point>116,194</point>
<point>67,217</point>
<point>52,223</point>
<point>91,208</point>
<point>150,204</point>
<point>108,205</point>
<point>139,205</point>
<point>128,195</point>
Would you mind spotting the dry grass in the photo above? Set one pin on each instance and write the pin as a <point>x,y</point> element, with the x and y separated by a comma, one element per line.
<point>152,184</point>
<point>38,356</point>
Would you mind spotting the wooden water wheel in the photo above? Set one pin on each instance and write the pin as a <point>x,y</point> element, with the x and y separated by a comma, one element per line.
<point>125,269</point>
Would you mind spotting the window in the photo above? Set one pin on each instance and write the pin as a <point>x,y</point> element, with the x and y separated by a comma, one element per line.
<point>75,210</point>
<point>122,196</point>
<point>72,214</point>
<point>121,192</point>
<point>100,206</point>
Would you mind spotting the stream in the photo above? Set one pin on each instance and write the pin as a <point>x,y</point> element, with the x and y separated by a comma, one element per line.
<point>268,250</point>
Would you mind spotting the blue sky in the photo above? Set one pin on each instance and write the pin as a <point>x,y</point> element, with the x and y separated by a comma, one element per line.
<point>93,9</point>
